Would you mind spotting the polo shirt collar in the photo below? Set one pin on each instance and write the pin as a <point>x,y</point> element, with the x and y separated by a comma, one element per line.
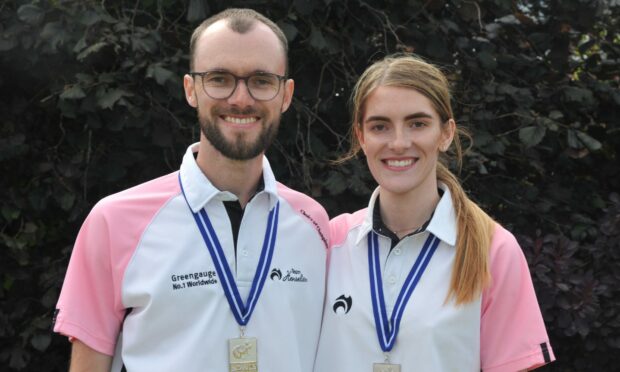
<point>443,223</point>
<point>199,190</point>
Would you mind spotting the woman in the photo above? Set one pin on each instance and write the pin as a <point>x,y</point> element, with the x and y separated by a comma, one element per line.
<point>422,279</point>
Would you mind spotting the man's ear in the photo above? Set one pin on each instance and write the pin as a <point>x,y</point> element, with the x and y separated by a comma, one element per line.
<point>289,88</point>
<point>189,86</point>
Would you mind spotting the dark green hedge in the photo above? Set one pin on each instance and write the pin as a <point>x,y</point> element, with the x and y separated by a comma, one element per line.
<point>92,103</point>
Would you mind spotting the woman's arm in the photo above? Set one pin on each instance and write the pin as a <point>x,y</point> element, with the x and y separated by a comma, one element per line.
<point>86,359</point>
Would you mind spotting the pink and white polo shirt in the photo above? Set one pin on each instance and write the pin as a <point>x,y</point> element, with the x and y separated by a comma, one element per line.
<point>141,285</point>
<point>502,331</point>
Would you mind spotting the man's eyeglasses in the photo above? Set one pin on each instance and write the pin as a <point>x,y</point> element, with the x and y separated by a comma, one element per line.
<point>262,86</point>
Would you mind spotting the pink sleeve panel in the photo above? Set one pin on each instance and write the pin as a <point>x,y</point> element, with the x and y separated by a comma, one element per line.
<point>309,209</point>
<point>340,226</point>
<point>512,332</point>
<point>90,306</point>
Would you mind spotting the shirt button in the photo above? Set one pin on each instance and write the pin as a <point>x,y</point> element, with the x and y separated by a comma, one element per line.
<point>392,279</point>
<point>397,251</point>
<point>244,252</point>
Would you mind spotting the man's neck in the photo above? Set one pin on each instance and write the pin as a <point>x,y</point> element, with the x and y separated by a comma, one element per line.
<point>241,177</point>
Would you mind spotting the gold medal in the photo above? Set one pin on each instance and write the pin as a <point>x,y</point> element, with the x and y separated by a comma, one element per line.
<point>242,355</point>
<point>385,367</point>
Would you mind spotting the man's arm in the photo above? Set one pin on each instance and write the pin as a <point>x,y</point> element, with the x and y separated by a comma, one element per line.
<point>86,359</point>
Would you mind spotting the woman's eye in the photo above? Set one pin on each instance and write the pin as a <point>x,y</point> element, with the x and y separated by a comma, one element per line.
<point>378,127</point>
<point>417,124</point>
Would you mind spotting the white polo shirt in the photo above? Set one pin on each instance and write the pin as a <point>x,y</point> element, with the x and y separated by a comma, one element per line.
<point>501,331</point>
<point>141,270</point>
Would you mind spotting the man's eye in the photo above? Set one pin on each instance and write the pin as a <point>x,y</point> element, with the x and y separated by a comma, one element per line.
<point>217,79</point>
<point>260,81</point>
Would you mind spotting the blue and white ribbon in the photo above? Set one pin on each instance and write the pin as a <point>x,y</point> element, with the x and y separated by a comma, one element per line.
<point>242,311</point>
<point>388,330</point>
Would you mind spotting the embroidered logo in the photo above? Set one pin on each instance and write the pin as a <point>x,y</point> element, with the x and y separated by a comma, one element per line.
<point>290,275</point>
<point>196,279</point>
<point>343,304</point>
<point>276,274</point>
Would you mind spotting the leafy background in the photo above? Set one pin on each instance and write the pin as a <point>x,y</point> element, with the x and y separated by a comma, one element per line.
<point>92,103</point>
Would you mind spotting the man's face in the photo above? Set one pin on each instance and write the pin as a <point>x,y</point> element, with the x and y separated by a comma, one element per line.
<point>239,126</point>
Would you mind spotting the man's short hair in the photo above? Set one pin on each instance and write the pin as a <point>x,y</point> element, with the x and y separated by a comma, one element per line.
<point>240,21</point>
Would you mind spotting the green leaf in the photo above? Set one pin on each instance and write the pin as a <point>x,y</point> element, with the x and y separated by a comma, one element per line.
<point>30,14</point>
<point>556,115</point>
<point>110,97</point>
<point>336,183</point>
<point>304,7</point>
<point>84,78</point>
<point>531,136</point>
<point>7,44</point>
<point>91,49</point>
<point>10,213</point>
<point>41,341</point>
<point>197,10</point>
<point>289,30</point>
<point>89,18</point>
<point>579,95</point>
<point>66,201</point>
<point>487,60</point>
<point>7,283</point>
<point>317,41</point>
<point>54,33</point>
<point>73,92</point>
<point>591,143</point>
<point>18,359</point>
<point>80,45</point>
<point>30,228</point>
<point>572,140</point>
<point>145,43</point>
<point>160,73</point>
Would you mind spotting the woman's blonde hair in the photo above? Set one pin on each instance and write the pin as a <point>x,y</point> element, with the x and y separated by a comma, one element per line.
<point>471,273</point>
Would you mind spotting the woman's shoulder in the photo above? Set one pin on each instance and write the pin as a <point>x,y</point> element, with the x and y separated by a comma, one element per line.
<point>341,225</point>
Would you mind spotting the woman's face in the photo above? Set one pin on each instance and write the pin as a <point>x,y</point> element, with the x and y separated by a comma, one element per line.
<point>401,135</point>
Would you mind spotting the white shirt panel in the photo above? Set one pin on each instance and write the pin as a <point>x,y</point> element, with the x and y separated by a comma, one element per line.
<point>433,335</point>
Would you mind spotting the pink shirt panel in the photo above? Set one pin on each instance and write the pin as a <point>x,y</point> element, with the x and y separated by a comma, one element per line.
<point>340,226</point>
<point>309,209</point>
<point>512,329</point>
<point>90,307</point>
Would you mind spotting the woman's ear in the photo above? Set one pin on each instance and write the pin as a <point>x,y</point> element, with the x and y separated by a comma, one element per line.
<point>359,133</point>
<point>447,135</point>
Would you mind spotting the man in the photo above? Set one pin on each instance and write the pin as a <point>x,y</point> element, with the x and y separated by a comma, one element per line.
<point>216,267</point>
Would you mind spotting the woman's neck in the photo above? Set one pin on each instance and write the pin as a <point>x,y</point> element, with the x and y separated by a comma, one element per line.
<point>405,213</point>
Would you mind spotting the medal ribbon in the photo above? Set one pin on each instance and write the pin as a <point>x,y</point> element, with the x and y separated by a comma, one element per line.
<point>241,311</point>
<point>387,330</point>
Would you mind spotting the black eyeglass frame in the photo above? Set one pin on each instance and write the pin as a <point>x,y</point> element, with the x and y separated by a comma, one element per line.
<point>202,74</point>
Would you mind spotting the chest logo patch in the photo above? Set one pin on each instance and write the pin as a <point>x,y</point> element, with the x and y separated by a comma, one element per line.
<point>195,279</point>
<point>343,304</point>
<point>276,274</point>
<point>289,275</point>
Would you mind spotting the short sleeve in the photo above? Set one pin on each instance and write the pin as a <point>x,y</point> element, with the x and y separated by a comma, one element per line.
<point>89,306</point>
<point>512,332</point>
<point>340,226</point>
<point>338,229</point>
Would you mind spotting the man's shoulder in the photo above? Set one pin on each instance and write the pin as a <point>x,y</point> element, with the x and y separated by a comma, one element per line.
<point>147,195</point>
<point>300,200</point>
<point>311,210</point>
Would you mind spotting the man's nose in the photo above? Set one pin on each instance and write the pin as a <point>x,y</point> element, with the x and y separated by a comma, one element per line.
<point>241,96</point>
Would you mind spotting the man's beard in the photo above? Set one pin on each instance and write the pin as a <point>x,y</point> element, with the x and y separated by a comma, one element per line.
<point>240,148</point>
